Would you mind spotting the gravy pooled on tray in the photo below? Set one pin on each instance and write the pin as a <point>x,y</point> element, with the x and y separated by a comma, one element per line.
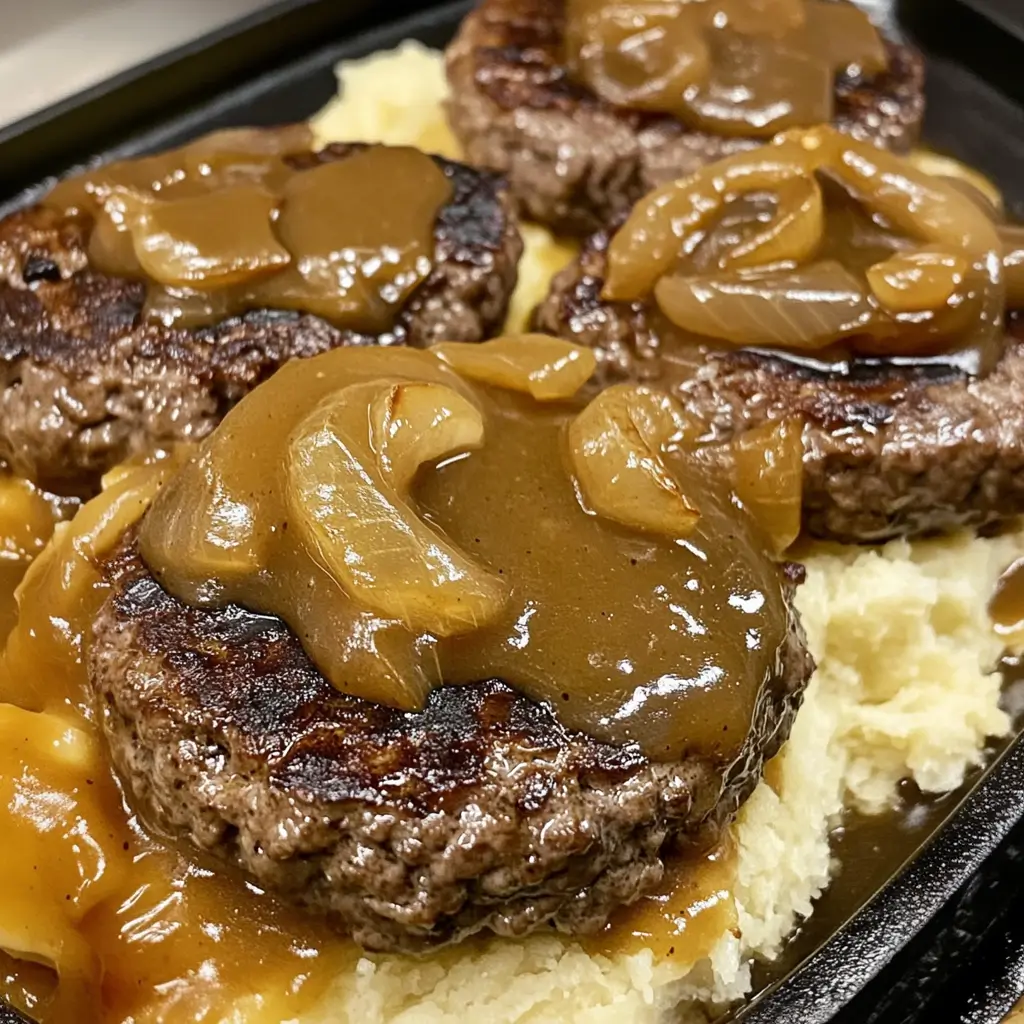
<point>732,67</point>
<point>238,220</point>
<point>417,525</point>
<point>821,246</point>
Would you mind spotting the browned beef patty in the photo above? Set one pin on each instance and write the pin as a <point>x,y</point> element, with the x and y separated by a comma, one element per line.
<point>574,161</point>
<point>87,384</point>
<point>407,830</point>
<point>889,451</point>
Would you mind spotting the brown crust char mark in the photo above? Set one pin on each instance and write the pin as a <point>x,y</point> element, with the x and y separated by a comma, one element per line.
<point>250,677</point>
<point>87,384</point>
<point>575,161</point>
<point>406,830</point>
<point>889,451</point>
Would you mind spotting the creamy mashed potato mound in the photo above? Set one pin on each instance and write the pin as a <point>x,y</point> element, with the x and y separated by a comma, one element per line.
<point>905,688</point>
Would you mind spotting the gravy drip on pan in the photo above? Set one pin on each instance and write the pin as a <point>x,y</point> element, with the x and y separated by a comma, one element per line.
<point>228,224</point>
<point>688,913</point>
<point>101,922</point>
<point>524,555</point>
<point>1006,607</point>
<point>105,922</point>
<point>821,247</point>
<point>732,67</point>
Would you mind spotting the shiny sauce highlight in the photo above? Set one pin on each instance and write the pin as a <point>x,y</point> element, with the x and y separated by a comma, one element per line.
<point>489,564</point>
<point>99,921</point>
<point>684,918</point>
<point>1006,606</point>
<point>250,219</point>
<point>102,921</point>
<point>821,247</point>
<point>731,67</point>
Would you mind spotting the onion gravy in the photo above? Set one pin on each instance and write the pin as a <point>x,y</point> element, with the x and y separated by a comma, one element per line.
<point>820,245</point>
<point>507,560</point>
<point>733,67</point>
<point>245,219</point>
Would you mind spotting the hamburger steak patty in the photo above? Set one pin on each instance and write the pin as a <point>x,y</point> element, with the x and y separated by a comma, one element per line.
<point>889,451</point>
<point>86,383</point>
<point>407,829</point>
<point>575,161</point>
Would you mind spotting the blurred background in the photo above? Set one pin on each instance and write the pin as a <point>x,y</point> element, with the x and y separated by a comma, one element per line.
<point>50,49</point>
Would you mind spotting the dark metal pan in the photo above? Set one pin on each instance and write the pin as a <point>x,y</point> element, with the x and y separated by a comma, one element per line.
<point>938,938</point>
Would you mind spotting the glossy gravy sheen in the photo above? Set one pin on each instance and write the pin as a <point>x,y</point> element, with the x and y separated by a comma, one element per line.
<point>851,238</point>
<point>733,67</point>
<point>1006,606</point>
<point>136,928</point>
<point>634,638</point>
<point>684,918</point>
<point>247,219</point>
<point>820,246</point>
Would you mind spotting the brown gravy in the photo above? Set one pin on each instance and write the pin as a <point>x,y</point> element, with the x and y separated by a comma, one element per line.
<point>150,934</point>
<point>233,222</point>
<point>1006,606</point>
<point>733,67</point>
<point>823,247</point>
<point>491,566</point>
<point>137,929</point>
<point>684,918</point>
<point>27,986</point>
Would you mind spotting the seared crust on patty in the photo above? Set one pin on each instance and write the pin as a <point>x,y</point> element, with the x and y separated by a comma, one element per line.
<point>408,830</point>
<point>87,384</point>
<point>574,161</point>
<point>889,451</point>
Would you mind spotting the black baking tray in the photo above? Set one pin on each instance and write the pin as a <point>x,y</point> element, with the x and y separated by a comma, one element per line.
<point>943,938</point>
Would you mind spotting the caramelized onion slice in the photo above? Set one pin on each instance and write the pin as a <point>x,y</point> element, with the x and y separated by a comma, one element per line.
<point>920,281</point>
<point>47,645</point>
<point>807,308</point>
<point>841,35</point>
<point>794,234</point>
<point>61,873</point>
<point>639,55</point>
<point>935,213</point>
<point>349,466</point>
<point>111,249</point>
<point>757,88</point>
<point>203,164</point>
<point>26,518</point>
<point>209,241</point>
<point>764,17</point>
<point>618,446</point>
<point>239,152</point>
<point>547,368</point>
<point>651,240</point>
<point>768,479</point>
<point>947,168</point>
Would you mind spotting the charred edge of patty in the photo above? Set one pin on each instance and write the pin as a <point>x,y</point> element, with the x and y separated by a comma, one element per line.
<point>575,161</point>
<point>890,450</point>
<point>86,383</point>
<point>408,830</point>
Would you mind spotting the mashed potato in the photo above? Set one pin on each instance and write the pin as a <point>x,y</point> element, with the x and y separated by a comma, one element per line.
<point>904,689</point>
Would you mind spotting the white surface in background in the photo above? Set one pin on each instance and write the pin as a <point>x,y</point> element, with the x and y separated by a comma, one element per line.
<point>51,49</point>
